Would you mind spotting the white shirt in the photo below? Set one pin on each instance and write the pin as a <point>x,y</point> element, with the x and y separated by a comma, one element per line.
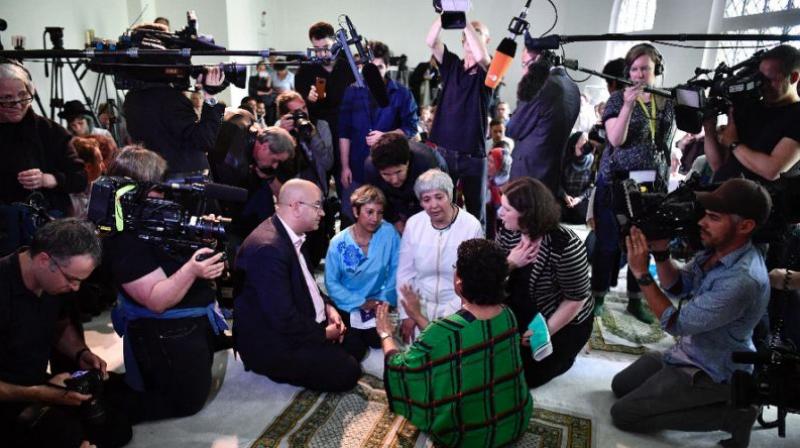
<point>427,260</point>
<point>316,297</point>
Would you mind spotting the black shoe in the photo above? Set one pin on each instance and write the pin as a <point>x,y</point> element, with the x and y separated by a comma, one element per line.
<point>739,423</point>
<point>640,311</point>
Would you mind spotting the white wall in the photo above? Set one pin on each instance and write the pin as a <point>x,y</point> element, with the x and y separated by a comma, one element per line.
<point>29,18</point>
<point>401,24</point>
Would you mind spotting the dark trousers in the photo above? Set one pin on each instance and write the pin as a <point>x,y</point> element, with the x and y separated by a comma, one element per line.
<point>174,357</point>
<point>326,367</point>
<point>48,426</point>
<point>654,396</point>
<point>369,338</point>
<point>471,171</point>
<point>567,343</point>
<point>607,257</point>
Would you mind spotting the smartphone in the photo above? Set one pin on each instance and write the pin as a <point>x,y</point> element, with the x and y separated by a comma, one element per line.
<point>320,84</point>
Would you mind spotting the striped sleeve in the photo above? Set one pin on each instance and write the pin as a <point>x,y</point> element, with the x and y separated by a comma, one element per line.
<point>573,270</point>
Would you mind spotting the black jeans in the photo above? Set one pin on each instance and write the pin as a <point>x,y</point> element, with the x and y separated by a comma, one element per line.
<point>567,343</point>
<point>37,425</point>
<point>369,338</point>
<point>174,357</point>
<point>471,170</point>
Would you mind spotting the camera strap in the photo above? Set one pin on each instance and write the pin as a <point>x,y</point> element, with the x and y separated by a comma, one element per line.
<point>651,116</point>
<point>119,216</point>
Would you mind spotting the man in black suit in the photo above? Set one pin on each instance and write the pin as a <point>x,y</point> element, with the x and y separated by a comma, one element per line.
<point>548,104</point>
<point>284,327</point>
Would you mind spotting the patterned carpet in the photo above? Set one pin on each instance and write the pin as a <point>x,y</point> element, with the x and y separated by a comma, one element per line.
<point>616,330</point>
<point>361,418</point>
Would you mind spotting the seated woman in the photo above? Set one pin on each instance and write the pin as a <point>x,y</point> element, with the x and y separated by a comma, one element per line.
<point>428,249</point>
<point>550,275</point>
<point>165,312</point>
<point>576,180</point>
<point>443,382</point>
<point>361,265</point>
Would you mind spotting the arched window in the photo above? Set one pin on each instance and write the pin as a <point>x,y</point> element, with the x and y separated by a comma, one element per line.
<point>631,16</point>
<point>755,17</point>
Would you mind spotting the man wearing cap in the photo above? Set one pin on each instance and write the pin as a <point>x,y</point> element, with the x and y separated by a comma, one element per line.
<point>548,103</point>
<point>724,291</point>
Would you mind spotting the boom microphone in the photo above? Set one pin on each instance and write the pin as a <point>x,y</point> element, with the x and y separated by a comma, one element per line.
<point>375,84</point>
<point>501,62</point>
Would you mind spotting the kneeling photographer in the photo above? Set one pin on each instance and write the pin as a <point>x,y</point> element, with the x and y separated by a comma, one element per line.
<point>313,158</point>
<point>723,293</point>
<point>65,410</point>
<point>166,304</point>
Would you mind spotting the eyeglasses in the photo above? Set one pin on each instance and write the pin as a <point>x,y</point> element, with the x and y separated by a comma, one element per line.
<point>70,279</point>
<point>11,104</point>
<point>315,206</point>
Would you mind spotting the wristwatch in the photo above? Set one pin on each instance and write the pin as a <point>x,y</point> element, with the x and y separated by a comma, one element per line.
<point>383,335</point>
<point>645,280</point>
<point>211,101</point>
<point>733,145</point>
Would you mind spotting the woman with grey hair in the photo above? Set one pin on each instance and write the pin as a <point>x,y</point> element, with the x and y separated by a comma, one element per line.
<point>37,156</point>
<point>428,253</point>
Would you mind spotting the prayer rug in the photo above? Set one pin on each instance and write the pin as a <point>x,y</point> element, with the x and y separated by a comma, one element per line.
<point>616,330</point>
<point>361,418</point>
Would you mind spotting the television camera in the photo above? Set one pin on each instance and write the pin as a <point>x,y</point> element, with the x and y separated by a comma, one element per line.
<point>738,85</point>
<point>676,214</point>
<point>176,221</point>
<point>774,382</point>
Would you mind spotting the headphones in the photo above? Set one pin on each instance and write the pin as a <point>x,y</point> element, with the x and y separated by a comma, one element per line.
<point>659,59</point>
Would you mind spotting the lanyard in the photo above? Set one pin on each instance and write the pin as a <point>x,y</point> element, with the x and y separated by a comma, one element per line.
<point>651,117</point>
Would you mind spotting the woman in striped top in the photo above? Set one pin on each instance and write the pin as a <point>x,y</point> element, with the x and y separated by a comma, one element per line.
<point>550,274</point>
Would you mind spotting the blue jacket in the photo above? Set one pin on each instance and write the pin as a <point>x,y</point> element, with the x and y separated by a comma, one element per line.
<point>351,277</point>
<point>359,114</point>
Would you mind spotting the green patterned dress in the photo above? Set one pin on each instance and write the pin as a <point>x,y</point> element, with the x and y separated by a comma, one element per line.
<point>461,381</point>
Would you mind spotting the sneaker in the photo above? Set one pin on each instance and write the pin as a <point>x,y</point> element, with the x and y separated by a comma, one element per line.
<point>541,347</point>
<point>640,311</point>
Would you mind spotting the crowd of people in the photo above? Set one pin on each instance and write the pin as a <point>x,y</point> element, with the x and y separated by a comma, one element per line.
<point>453,211</point>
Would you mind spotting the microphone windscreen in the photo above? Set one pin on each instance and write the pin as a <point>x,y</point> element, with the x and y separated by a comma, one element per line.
<point>375,84</point>
<point>501,62</point>
<point>224,192</point>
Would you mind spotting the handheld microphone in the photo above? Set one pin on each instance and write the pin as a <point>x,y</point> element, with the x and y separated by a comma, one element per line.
<point>504,55</point>
<point>375,84</point>
<point>501,62</point>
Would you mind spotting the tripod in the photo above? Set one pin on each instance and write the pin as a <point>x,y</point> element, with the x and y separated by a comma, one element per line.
<point>57,78</point>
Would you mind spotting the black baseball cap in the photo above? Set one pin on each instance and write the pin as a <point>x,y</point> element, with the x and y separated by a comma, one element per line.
<point>739,196</point>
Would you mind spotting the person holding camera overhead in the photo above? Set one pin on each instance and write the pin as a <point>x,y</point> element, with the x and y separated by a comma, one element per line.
<point>724,291</point>
<point>37,410</point>
<point>639,128</point>
<point>362,122</point>
<point>165,311</point>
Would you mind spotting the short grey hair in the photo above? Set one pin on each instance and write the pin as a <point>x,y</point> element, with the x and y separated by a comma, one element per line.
<point>278,139</point>
<point>433,179</point>
<point>9,70</point>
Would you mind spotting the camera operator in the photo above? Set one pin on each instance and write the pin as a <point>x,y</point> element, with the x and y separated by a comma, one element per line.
<point>37,156</point>
<point>313,157</point>
<point>459,126</point>
<point>724,292</point>
<point>549,104</point>
<point>163,119</point>
<point>761,141</point>
<point>165,312</point>
<point>639,128</point>
<point>36,410</point>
